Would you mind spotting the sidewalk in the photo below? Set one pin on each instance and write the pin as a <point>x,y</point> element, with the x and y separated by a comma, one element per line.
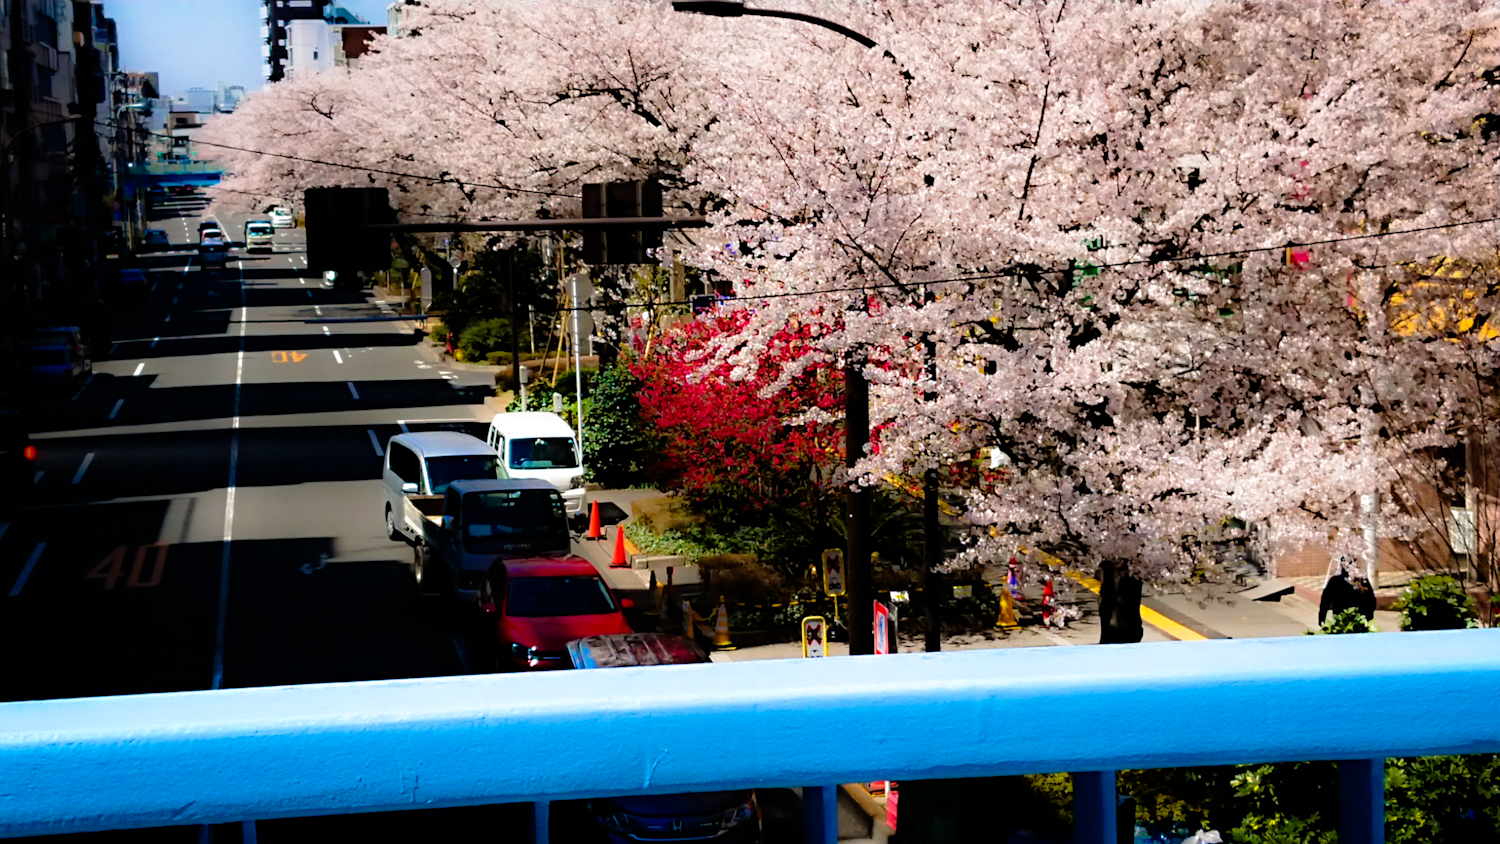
<point>1211,611</point>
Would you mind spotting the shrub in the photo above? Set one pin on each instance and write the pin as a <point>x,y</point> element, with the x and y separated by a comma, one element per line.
<point>741,580</point>
<point>661,514</point>
<point>614,443</point>
<point>497,358</point>
<point>1348,621</point>
<point>437,332</point>
<point>563,383</point>
<point>1438,602</point>
<point>483,336</point>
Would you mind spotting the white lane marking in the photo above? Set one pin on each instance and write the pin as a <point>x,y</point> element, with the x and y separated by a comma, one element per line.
<point>338,357</point>
<point>168,319</point>
<point>118,404</point>
<point>3,528</point>
<point>83,467</point>
<point>1056,639</point>
<point>113,348</point>
<point>179,285</point>
<point>38,478</point>
<point>379,452</point>
<point>403,428</point>
<point>154,341</point>
<point>304,281</point>
<point>325,329</point>
<point>309,293</point>
<point>234,460</point>
<point>36,553</point>
<point>174,300</point>
<point>317,309</point>
<point>141,367</point>
<point>353,391</point>
<point>445,372</point>
<point>153,287</point>
<point>86,382</point>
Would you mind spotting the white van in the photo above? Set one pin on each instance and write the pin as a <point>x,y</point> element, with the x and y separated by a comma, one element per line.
<point>535,444</point>
<point>422,465</point>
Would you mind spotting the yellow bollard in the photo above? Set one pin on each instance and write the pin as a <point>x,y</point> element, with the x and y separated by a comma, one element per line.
<point>721,628</point>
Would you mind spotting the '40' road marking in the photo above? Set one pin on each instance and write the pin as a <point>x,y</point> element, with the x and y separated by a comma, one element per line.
<point>112,567</point>
<point>288,357</point>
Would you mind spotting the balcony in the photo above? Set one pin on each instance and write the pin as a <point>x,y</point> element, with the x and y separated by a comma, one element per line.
<point>244,754</point>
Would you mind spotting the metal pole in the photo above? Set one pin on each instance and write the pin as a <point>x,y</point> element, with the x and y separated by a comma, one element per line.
<point>857,512</point>
<point>577,356</point>
<point>932,548</point>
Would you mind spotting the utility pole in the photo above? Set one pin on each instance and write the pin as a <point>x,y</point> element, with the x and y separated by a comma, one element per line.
<point>932,550</point>
<point>859,581</point>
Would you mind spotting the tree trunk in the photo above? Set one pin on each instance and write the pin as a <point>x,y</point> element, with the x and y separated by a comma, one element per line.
<point>1119,605</point>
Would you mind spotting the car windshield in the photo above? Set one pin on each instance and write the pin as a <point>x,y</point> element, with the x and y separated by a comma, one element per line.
<point>521,519</point>
<point>543,453</point>
<point>531,597</point>
<point>467,467</point>
<point>258,228</point>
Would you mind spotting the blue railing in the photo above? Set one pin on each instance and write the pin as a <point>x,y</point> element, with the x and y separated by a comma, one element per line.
<point>244,754</point>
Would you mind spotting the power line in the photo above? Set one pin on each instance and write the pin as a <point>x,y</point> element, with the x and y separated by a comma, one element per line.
<point>376,170</point>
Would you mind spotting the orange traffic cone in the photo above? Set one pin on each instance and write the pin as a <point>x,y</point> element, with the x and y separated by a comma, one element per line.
<point>619,561</point>
<point>594,531</point>
<point>721,628</point>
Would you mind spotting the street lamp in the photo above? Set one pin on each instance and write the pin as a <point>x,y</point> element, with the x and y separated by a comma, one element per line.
<point>859,580</point>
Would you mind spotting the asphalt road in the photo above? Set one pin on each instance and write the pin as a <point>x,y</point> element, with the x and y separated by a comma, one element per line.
<point>208,507</point>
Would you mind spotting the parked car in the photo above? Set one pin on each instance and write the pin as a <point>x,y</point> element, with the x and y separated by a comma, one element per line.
<point>63,335</point>
<point>477,522</point>
<point>259,235</point>
<point>423,465</point>
<point>723,817</point>
<point>52,367</point>
<point>533,608</point>
<point>17,460</point>
<point>156,240</point>
<point>282,218</point>
<point>537,444</point>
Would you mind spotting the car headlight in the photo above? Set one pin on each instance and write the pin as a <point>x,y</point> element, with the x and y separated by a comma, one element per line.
<point>526,652</point>
<point>738,815</point>
<point>576,483</point>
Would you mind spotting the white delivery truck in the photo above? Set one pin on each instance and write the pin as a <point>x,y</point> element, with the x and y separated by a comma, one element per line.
<point>536,444</point>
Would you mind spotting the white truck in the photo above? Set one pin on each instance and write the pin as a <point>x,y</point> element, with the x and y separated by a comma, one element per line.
<point>536,444</point>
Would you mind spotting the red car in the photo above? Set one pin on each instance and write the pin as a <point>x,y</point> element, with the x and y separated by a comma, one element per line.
<point>533,608</point>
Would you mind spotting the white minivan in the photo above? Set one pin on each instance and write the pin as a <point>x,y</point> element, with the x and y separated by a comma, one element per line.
<point>422,465</point>
<point>536,444</point>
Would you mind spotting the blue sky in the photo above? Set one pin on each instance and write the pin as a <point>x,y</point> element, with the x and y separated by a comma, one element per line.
<point>200,43</point>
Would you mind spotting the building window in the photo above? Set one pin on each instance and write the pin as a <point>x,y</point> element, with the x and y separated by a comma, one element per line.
<point>44,82</point>
<point>44,30</point>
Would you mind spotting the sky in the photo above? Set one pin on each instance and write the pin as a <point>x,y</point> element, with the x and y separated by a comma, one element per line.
<point>200,43</point>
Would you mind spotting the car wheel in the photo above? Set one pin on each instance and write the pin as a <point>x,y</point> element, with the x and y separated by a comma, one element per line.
<point>426,570</point>
<point>390,526</point>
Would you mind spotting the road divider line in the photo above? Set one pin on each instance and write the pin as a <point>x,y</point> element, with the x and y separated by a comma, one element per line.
<point>86,382</point>
<point>36,554</point>
<point>174,300</point>
<point>83,467</point>
<point>36,479</point>
<point>154,341</point>
<point>379,452</point>
<point>317,309</point>
<point>168,319</point>
<point>338,357</point>
<point>353,391</point>
<point>118,404</point>
<point>3,528</point>
<point>139,368</point>
<point>113,348</point>
<point>234,461</point>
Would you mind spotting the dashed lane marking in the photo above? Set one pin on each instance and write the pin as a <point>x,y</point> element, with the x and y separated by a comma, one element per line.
<point>338,357</point>
<point>154,341</point>
<point>36,554</point>
<point>379,452</point>
<point>83,467</point>
<point>115,412</point>
<point>38,477</point>
<point>141,367</point>
<point>353,391</point>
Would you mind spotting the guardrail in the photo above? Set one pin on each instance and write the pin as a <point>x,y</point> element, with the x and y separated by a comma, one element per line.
<point>243,754</point>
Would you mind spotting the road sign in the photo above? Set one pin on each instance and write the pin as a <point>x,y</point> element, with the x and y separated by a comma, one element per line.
<point>833,572</point>
<point>882,629</point>
<point>814,636</point>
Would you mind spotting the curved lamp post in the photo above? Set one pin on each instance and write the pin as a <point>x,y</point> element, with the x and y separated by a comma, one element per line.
<point>861,590</point>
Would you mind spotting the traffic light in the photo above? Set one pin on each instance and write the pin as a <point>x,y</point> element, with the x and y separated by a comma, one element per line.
<point>621,244</point>
<point>335,239</point>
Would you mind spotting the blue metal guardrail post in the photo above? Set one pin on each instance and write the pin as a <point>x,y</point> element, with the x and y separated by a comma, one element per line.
<point>820,814</point>
<point>1362,801</point>
<point>213,757</point>
<point>1094,807</point>
<point>540,816</point>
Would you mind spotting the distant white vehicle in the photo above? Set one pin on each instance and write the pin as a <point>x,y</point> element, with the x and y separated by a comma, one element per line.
<point>259,235</point>
<point>281,217</point>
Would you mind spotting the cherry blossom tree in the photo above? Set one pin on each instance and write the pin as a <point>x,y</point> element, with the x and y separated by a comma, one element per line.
<point>1152,246</point>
